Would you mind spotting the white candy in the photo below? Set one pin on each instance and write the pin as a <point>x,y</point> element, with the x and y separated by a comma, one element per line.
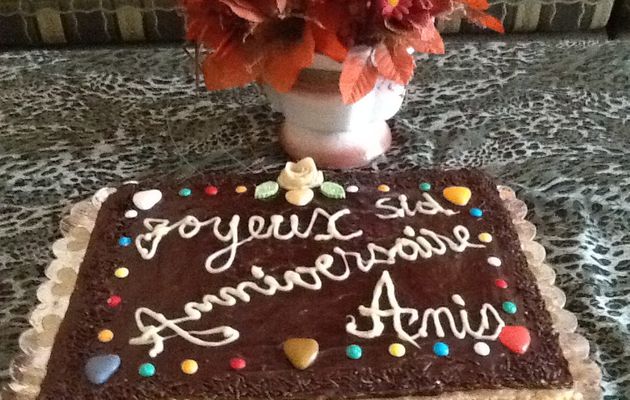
<point>482,349</point>
<point>146,199</point>
<point>131,214</point>
<point>494,261</point>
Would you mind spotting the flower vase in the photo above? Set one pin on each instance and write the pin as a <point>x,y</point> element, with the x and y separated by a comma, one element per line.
<point>319,125</point>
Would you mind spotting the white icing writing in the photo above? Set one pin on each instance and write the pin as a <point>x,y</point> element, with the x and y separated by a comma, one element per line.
<point>427,207</point>
<point>190,226</point>
<point>424,245</point>
<point>398,314</point>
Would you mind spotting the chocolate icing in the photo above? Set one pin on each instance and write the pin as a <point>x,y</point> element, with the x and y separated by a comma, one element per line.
<point>176,275</point>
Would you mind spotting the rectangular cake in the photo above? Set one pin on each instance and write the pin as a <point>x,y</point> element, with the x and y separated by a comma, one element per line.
<point>304,285</point>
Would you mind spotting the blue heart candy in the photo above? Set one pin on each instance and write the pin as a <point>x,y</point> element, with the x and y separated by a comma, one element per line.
<point>100,368</point>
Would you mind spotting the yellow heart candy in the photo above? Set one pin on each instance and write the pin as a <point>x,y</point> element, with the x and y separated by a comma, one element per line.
<point>458,195</point>
<point>301,352</point>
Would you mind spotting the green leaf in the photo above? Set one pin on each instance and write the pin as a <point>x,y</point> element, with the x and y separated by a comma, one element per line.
<point>266,190</point>
<point>333,190</point>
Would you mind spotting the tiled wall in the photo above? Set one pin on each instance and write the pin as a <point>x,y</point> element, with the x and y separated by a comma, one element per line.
<point>42,22</point>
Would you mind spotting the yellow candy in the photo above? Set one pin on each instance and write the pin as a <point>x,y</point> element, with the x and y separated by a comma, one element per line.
<point>301,352</point>
<point>485,237</point>
<point>383,188</point>
<point>458,195</point>
<point>105,336</point>
<point>241,189</point>
<point>189,366</point>
<point>397,350</point>
<point>121,272</point>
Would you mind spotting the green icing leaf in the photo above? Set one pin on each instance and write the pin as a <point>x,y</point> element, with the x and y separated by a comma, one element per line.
<point>266,190</point>
<point>333,190</point>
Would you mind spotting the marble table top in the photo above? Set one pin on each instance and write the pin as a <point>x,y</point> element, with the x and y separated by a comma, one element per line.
<point>548,116</point>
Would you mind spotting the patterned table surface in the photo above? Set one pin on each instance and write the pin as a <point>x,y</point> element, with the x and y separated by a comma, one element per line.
<point>549,116</point>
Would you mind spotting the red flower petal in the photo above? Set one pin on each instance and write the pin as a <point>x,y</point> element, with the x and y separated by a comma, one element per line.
<point>358,76</point>
<point>285,61</point>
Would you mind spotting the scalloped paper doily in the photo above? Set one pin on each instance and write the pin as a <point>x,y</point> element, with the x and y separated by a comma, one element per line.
<point>29,367</point>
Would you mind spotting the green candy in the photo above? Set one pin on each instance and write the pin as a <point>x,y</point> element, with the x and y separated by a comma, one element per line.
<point>354,352</point>
<point>147,370</point>
<point>509,307</point>
<point>425,186</point>
<point>266,190</point>
<point>333,190</point>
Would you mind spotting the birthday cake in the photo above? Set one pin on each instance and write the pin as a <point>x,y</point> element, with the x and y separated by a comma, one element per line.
<point>306,285</point>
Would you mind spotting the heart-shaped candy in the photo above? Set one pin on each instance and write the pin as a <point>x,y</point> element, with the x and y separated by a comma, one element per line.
<point>458,195</point>
<point>146,199</point>
<point>515,338</point>
<point>99,369</point>
<point>299,197</point>
<point>301,352</point>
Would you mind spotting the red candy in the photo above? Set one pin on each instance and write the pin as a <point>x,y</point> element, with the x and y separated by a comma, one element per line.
<point>515,338</point>
<point>237,363</point>
<point>114,301</point>
<point>501,283</point>
<point>211,190</point>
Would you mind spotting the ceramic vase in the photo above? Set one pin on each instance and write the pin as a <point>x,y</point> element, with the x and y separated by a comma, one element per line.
<point>319,125</point>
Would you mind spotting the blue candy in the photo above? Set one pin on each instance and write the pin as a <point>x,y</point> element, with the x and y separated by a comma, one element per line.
<point>476,212</point>
<point>99,369</point>
<point>440,349</point>
<point>124,241</point>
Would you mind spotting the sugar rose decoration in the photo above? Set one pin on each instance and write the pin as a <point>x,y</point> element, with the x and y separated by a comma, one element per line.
<point>302,174</point>
<point>298,179</point>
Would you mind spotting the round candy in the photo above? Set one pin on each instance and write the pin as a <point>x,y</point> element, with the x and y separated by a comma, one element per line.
<point>494,261</point>
<point>240,189</point>
<point>105,336</point>
<point>425,186</point>
<point>397,350</point>
<point>189,366</point>
<point>211,190</point>
<point>383,188</point>
<point>485,237</point>
<point>482,349</point>
<point>352,189</point>
<point>501,283</point>
<point>146,370</point>
<point>114,301</point>
<point>237,363</point>
<point>131,214</point>
<point>354,351</point>
<point>124,241</point>
<point>509,307</point>
<point>185,192</point>
<point>476,212</point>
<point>121,272</point>
<point>440,349</point>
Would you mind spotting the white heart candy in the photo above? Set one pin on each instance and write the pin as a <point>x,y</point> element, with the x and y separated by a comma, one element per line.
<point>146,199</point>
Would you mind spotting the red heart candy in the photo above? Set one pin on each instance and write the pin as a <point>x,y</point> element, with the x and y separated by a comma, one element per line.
<point>515,338</point>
